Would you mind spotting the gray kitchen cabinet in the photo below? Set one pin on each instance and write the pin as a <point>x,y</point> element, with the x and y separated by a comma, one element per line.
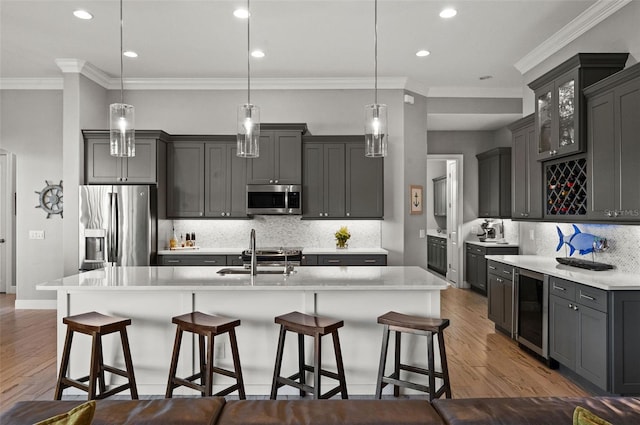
<point>560,113</point>
<point>364,190</point>
<point>146,167</point>
<point>192,260</point>
<point>309,260</point>
<point>339,181</point>
<point>437,254</point>
<point>526,171</point>
<point>494,183</point>
<point>578,329</point>
<point>624,344</point>
<point>500,296</point>
<point>225,181</point>
<point>280,160</point>
<point>185,179</point>
<point>234,260</point>
<point>613,148</point>
<point>440,196</point>
<point>476,263</point>
<point>352,260</point>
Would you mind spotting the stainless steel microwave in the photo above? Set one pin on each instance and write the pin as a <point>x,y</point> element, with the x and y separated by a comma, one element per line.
<point>274,199</point>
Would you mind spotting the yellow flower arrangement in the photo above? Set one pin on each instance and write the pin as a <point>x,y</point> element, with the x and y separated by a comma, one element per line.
<point>342,236</point>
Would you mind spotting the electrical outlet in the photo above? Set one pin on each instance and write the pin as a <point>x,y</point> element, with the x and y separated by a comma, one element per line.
<point>532,234</point>
<point>422,233</point>
<point>36,234</point>
<point>474,230</point>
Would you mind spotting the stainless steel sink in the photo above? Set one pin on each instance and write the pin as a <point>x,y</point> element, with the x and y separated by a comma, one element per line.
<point>247,271</point>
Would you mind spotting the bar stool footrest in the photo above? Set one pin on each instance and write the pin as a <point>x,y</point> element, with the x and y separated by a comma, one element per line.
<point>421,371</point>
<point>113,391</point>
<point>224,372</point>
<point>115,371</point>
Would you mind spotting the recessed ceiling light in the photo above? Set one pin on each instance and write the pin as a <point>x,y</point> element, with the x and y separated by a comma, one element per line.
<point>448,13</point>
<point>241,13</point>
<point>423,53</point>
<point>485,77</point>
<point>257,54</point>
<point>82,14</point>
<point>130,54</point>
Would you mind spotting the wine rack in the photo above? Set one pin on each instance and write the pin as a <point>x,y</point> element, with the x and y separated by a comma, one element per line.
<point>566,188</point>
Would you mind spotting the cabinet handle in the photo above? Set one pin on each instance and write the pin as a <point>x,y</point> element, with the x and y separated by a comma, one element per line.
<point>499,280</point>
<point>270,181</point>
<point>222,214</point>
<point>492,268</point>
<point>553,152</point>
<point>525,214</point>
<point>369,261</point>
<point>478,250</point>
<point>570,305</point>
<point>333,261</point>
<point>506,271</point>
<point>587,297</point>
<point>559,288</point>
<point>200,214</point>
<point>321,214</point>
<point>575,308</point>
<point>210,261</point>
<point>348,214</point>
<point>173,261</point>
<point>609,214</point>
<point>276,181</point>
<point>326,214</point>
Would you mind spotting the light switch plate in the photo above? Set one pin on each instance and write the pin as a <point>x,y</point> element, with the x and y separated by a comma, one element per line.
<point>532,234</point>
<point>422,233</point>
<point>36,234</point>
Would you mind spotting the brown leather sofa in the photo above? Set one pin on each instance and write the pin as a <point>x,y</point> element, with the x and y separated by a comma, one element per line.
<point>217,411</point>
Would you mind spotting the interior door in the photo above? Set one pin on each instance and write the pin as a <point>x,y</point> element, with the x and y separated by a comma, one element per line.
<point>4,211</point>
<point>453,244</point>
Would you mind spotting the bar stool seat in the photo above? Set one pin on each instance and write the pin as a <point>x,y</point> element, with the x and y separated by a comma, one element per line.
<point>207,327</point>
<point>418,325</point>
<point>316,327</point>
<point>96,325</point>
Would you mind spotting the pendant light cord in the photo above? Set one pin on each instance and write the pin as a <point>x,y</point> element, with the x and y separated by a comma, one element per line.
<point>375,48</point>
<point>121,54</point>
<point>248,53</point>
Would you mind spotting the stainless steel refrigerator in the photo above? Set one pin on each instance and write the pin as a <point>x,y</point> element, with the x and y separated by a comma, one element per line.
<point>118,226</point>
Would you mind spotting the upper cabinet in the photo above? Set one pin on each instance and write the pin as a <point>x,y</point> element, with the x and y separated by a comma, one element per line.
<point>339,181</point>
<point>280,160</point>
<point>560,113</point>
<point>526,177</point>
<point>613,155</point>
<point>144,168</point>
<point>494,183</point>
<point>440,196</point>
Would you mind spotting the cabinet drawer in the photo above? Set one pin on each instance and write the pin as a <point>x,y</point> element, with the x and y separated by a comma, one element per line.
<point>352,260</point>
<point>234,260</point>
<point>504,271</point>
<point>309,260</point>
<point>562,288</point>
<point>193,260</point>
<point>591,297</point>
<point>476,249</point>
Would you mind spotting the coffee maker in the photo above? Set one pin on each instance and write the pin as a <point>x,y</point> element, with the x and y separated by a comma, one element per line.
<point>491,231</point>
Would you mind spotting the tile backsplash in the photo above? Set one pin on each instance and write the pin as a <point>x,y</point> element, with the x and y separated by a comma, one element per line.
<point>624,243</point>
<point>276,231</point>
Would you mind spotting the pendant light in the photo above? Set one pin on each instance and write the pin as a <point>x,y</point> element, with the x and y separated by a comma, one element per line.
<point>121,116</point>
<point>375,115</point>
<point>248,114</point>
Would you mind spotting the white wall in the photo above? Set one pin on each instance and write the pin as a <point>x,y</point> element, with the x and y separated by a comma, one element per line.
<point>32,130</point>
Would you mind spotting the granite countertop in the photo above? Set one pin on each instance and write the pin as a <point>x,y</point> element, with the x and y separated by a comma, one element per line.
<point>206,279</point>
<point>306,251</point>
<point>492,244</point>
<point>610,280</point>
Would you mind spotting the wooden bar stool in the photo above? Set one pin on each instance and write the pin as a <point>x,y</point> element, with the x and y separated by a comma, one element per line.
<point>417,325</point>
<point>96,325</point>
<point>317,327</point>
<point>206,326</point>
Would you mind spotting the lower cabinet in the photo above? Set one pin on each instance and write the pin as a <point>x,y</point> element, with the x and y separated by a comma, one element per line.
<point>500,295</point>
<point>345,260</point>
<point>192,260</point>
<point>437,254</point>
<point>578,329</point>
<point>476,265</point>
<point>307,260</point>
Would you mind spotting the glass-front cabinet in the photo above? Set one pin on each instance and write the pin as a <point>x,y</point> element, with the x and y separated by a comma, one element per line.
<point>560,117</point>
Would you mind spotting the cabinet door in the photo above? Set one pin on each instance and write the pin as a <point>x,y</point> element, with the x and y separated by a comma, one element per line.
<point>313,180</point>
<point>185,179</point>
<point>602,157</point>
<point>101,167</point>
<point>237,183</point>
<point>471,271</point>
<point>334,180</point>
<point>520,158</point>
<point>216,180</point>
<point>495,299</point>
<point>489,187</point>
<point>142,167</point>
<point>628,122</point>
<point>591,349</point>
<point>567,139</point>
<point>507,305</point>
<point>562,331</point>
<point>288,157</point>
<point>260,169</point>
<point>544,122</point>
<point>364,183</point>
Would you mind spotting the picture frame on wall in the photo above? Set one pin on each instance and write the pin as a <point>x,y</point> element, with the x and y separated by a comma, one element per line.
<point>415,198</point>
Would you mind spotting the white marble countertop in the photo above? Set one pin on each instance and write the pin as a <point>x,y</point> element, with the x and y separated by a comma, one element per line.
<point>314,278</point>
<point>434,232</point>
<point>610,280</point>
<point>491,244</point>
<point>307,251</point>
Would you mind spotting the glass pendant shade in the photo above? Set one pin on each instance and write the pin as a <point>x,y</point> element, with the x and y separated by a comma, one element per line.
<point>122,130</point>
<point>248,131</point>
<point>375,130</point>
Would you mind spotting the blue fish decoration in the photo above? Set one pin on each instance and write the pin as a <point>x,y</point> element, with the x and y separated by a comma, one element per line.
<point>582,242</point>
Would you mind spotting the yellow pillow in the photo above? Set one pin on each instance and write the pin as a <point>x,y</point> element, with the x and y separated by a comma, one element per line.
<point>79,415</point>
<point>582,416</point>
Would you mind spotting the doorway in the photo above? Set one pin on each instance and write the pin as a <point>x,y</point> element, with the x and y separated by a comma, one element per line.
<point>7,222</point>
<point>453,168</point>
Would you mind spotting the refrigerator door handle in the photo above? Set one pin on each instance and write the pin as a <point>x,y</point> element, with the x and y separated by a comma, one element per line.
<point>113,226</point>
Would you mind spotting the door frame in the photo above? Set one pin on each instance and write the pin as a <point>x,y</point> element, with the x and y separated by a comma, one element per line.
<point>459,160</point>
<point>8,217</point>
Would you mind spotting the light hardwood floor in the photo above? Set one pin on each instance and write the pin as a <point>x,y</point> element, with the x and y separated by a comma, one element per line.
<point>482,362</point>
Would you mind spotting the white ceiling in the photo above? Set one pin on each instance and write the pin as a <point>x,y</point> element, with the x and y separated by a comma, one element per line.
<point>302,39</point>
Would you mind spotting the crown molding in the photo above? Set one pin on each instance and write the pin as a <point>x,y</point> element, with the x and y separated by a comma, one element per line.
<point>70,65</point>
<point>480,92</point>
<point>588,19</point>
<point>31,84</point>
<point>98,76</point>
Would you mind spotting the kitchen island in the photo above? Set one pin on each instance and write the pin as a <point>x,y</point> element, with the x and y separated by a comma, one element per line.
<point>151,296</point>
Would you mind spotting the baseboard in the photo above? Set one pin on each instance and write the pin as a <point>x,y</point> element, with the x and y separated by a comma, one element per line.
<point>36,305</point>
